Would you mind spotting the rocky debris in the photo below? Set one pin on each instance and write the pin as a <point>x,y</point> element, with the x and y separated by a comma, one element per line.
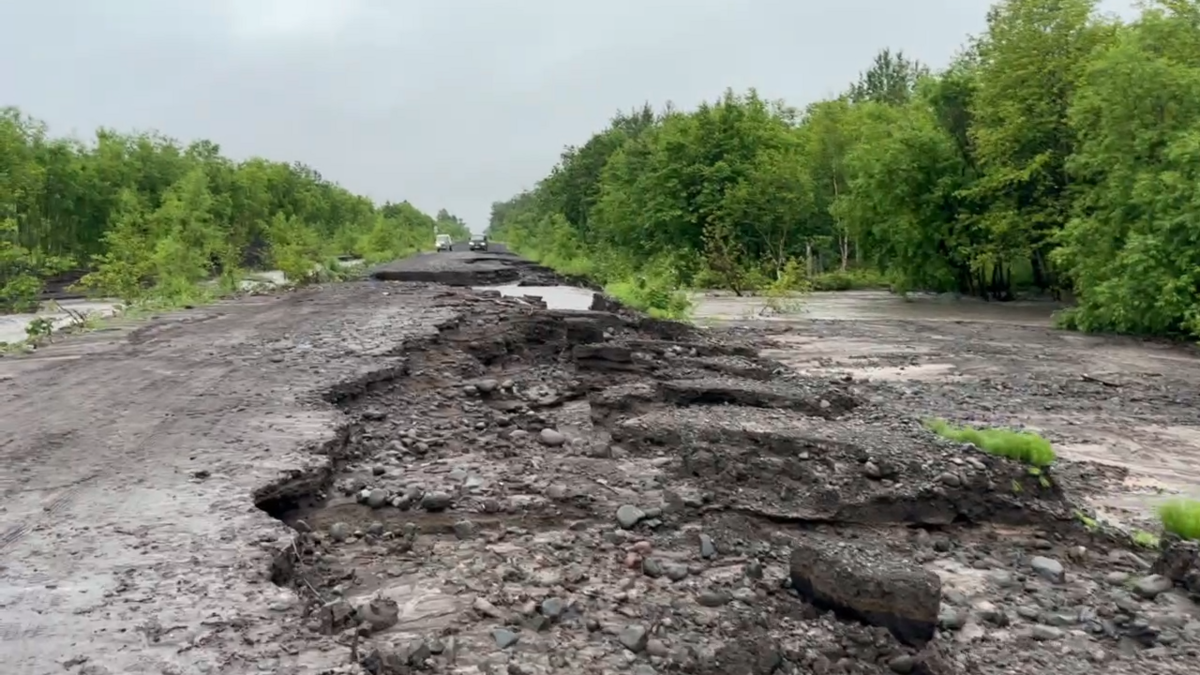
<point>379,614</point>
<point>868,584</point>
<point>551,437</point>
<point>828,403</point>
<point>397,659</point>
<point>658,538</point>
<point>628,516</point>
<point>1179,561</point>
<point>1048,568</point>
<point>791,467</point>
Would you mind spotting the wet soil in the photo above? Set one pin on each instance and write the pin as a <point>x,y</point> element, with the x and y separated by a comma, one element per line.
<point>392,477</point>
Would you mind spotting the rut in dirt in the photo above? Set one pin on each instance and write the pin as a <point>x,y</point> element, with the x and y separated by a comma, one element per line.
<point>575,489</point>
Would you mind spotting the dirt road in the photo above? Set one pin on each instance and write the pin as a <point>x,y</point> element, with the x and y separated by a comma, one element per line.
<point>382,476</point>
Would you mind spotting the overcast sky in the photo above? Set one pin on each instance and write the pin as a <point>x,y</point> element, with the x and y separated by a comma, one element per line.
<point>446,103</point>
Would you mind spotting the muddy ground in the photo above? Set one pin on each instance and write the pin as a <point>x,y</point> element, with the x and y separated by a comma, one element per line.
<point>393,477</point>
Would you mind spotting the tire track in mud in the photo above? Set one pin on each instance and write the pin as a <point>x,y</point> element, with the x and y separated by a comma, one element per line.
<point>51,509</point>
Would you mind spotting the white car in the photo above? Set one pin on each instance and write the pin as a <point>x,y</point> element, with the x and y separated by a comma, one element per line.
<point>444,243</point>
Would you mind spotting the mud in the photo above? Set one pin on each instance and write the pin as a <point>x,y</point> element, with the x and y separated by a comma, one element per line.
<point>388,477</point>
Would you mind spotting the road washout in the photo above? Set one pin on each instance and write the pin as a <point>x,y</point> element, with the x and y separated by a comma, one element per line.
<point>478,483</point>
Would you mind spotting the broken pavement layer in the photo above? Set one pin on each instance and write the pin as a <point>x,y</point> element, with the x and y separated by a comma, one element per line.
<point>865,583</point>
<point>790,467</point>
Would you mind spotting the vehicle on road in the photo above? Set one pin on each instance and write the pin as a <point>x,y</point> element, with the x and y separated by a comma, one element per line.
<point>479,242</point>
<point>444,243</point>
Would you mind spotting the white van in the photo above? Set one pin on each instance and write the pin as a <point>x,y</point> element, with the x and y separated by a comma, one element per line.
<point>444,243</point>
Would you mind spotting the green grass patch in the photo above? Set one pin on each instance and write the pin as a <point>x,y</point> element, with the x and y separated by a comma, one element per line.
<point>1144,539</point>
<point>1023,446</point>
<point>1181,517</point>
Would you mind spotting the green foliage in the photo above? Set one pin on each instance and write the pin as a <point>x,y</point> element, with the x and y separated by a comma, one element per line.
<point>1023,446</point>
<point>1060,151</point>
<point>151,221</point>
<point>1181,517</point>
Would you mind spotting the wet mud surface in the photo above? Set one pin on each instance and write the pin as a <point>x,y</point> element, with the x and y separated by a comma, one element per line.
<point>399,477</point>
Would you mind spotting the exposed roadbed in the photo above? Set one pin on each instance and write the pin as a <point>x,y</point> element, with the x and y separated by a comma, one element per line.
<point>389,476</point>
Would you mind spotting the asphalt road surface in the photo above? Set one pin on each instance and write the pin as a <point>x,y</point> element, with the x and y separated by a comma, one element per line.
<point>411,473</point>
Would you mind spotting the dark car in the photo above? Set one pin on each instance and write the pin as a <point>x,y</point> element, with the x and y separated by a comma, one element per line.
<point>479,243</point>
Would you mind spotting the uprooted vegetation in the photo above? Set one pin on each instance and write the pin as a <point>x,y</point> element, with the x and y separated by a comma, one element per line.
<point>1181,517</point>
<point>1021,446</point>
<point>593,491</point>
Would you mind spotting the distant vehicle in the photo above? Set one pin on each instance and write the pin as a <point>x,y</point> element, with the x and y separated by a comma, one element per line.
<point>444,243</point>
<point>479,242</point>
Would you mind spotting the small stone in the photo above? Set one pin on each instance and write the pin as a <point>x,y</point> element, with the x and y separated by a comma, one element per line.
<point>378,498</point>
<point>629,516</point>
<point>1116,578</point>
<point>552,608</point>
<point>1152,586</point>
<point>707,548</point>
<point>375,529</point>
<point>379,613</point>
<point>949,479</point>
<point>1028,613</point>
<point>551,437</point>
<point>745,595</point>
<point>652,568</point>
<point>951,619</point>
<point>464,529</point>
<point>486,608</point>
<point>675,571</point>
<point>871,470</point>
<point>713,598</point>
<point>436,501</point>
<point>656,647</point>
<point>634,637</point>
<point>1043,633</point>
<point>902,664</point>
<point>505,638</point>
<point>1048,568</point>
<point>378,470</point>
<point>339,532</point>
<point>557,492</point>
<point>753,570</point>
<point>487,386</point>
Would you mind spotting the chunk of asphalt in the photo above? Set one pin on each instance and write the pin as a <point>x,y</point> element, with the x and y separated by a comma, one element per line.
<point>862,583</point>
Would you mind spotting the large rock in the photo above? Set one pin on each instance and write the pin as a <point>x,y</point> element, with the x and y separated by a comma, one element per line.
<point>871,585</point>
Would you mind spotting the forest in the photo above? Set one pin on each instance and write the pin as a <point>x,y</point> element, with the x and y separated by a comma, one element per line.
<point>145,218</point>
<point>1057,154</point>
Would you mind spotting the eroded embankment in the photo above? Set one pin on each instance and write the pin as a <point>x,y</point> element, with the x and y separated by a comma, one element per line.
<point>545,491</point>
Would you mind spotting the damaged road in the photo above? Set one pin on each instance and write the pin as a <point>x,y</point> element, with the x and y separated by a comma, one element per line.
<point>392,477</point>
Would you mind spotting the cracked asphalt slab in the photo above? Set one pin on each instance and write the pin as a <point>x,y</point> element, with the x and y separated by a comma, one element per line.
<point>390,477</point>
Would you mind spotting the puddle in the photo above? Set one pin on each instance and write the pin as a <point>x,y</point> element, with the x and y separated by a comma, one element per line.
<point>12,326</point>
<point>876,305</point>
<point>555,297</point>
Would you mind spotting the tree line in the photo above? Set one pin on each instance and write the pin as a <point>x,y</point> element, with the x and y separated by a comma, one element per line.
<point>146,217</point>
<point>1058,152</point>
